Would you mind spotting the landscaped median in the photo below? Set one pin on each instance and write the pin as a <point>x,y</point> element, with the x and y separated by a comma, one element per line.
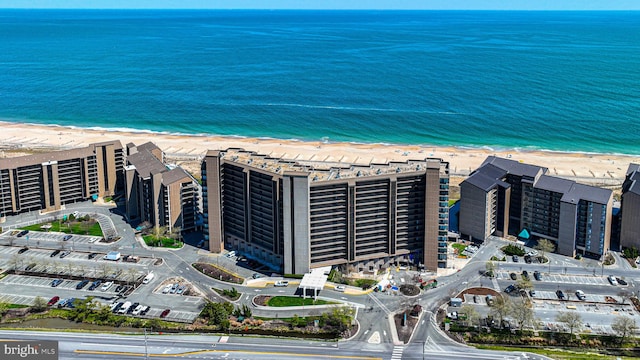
<point>289,301</point>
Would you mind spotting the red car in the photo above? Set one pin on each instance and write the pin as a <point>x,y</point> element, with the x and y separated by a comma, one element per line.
<point>165,313</point>
<point>53,300</point>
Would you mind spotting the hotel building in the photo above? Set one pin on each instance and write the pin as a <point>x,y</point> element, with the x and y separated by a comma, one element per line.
<point>157,193</point>
<point>298,215</point>
<point>508,197</point>
<point>48,181</point>
<point>630,228</point>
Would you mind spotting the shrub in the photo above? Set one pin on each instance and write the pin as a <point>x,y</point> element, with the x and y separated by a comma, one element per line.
<point>513,250</point>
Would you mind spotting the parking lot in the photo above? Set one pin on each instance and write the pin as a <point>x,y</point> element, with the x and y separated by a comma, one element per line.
<point>558,278</point>
<point>46,238</point>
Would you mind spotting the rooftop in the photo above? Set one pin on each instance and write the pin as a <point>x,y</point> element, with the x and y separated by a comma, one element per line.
<point>325,170</point>
<point>53,156</point>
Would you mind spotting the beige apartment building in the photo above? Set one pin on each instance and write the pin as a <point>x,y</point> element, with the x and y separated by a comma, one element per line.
<point>47,181</point>
<point>298,215</point>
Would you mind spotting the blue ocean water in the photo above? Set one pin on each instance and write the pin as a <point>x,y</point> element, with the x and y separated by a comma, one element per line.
<point>566,81</point>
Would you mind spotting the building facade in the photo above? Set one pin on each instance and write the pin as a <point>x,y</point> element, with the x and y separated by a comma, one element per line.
<point>507,197</point>
<point>156,193</point>
<point>630,210</point>
<point>299,215</point>
<point>47,181</point>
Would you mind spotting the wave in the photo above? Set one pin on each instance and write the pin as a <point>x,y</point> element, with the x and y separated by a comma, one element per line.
<point>352,108</point>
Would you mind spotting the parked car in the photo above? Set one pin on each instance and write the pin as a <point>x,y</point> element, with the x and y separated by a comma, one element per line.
<point>180,289</point>
<point>63,303</point>
<point>580,295</point>
<point>132,307</point>
<point>165,313</point>
<point>340,288</point>
<point>174,288</point>
<point>622,282</point>
<point>22,233</point>
<point>70,303</point>
<point>281,283</point>
<point>117,307</point>
<point>65,254</point>
<point>56,282</point>
<point>528,259</point>
<point>532,253</point>
<point>513,276</point>
<point>95,284</point>
<point>53,300</point>
<point>137,310</point>
<point>167,289</point>
<point>515,258</point>
<point>256,276</point>
<point>82,284</point>
<point>145,310</point>
<point>106,286</point>
<point>124,289</point>
<point>560,295</point>
<point>537,275</point>
<point>125,307</point>
<point>67,237</point>
<point>532,292</point>
<point>92,255</point>
<point>30,267</point>
<point>55,253</point>
<point>23,250</point>
<point>613,280</point>
<point>509,289</point>
<point>525,275</point>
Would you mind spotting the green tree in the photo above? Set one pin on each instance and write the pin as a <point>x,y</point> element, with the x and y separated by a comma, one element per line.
<point>545,246</point>
<point>39,304</point>
<point>158,233</point>
<point>521,312</point>
<point>473,317</point>
<point>623,326</point>
<point>524,284</point>
<point>4,307</point>
<point>572,320</point>
<point>490,269</point>
<point>500,308</point>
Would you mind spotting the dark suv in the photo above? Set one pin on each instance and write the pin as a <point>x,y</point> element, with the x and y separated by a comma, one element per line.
<point>55,253</point>
<point>560,294</point>
<point>537,275</point>
<point>82,284</point>
<point>510,289</point>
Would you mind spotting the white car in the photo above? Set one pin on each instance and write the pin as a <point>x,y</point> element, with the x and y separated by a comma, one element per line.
<point>137,310</point>
<point>167,289</point>
<point>107,286</point>
<point>580,294</point>
<point>613,280</point>
<point>532,253</point>
<point>281,283</point>
<point>340,288</point>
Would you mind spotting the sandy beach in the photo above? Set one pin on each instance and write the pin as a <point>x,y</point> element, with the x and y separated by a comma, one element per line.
<point>597,169</point>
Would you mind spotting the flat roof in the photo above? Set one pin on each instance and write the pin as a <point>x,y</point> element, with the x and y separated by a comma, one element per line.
<point>322,170</point>
<point>52,156</point>
<point>316,279</point>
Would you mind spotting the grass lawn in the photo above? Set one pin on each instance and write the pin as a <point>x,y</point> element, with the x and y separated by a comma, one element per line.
<point>79,227</point>
<point>281,301</point>
<point>459,247</point>
<point>150,240</point>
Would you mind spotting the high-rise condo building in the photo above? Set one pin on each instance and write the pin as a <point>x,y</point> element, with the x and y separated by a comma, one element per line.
<point>505,197</point>
<point>49,180</point>
<point>630,227</point>
<point>157,193</point>
<point>297,215</point>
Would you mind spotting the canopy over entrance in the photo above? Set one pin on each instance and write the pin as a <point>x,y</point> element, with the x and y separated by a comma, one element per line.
<point>524,234</point>
<point>314,280</point>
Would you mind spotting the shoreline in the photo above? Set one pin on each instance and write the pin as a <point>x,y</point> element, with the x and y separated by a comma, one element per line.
<point>187,150</point>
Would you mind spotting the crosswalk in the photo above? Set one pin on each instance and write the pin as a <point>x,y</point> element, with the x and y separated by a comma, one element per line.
<point>380,304</point>
<point>397,353</point>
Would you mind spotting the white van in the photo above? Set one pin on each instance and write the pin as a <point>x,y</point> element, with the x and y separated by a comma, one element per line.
<point>148,278</point>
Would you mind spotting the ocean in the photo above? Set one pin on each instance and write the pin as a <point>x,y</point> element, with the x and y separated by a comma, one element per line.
<point>561,81</point>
